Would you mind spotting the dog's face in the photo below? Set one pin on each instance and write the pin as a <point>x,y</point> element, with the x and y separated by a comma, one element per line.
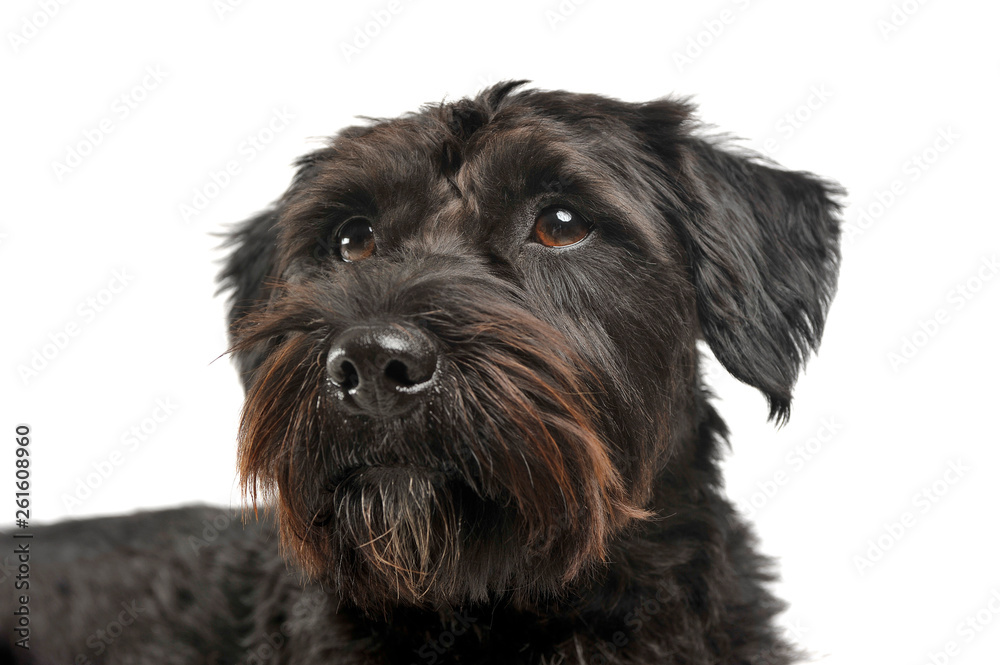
<point>468,334</point>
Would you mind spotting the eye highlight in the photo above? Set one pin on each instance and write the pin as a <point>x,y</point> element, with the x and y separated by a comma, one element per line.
<point>354,240</point>
<point>560,227</point>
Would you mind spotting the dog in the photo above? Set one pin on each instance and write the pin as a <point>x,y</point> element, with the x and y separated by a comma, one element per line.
<point>475,429</point>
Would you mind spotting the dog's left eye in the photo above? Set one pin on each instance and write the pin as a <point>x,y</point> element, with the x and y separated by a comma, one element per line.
<point>560,227</point>
<point>355,240</point>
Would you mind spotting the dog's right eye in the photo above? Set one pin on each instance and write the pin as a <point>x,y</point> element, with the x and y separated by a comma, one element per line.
<point>354,240</point>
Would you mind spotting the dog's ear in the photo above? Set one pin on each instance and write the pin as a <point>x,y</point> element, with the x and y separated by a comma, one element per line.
<point>250,270</point>
<point>763,246</point>
<point>247,274</point>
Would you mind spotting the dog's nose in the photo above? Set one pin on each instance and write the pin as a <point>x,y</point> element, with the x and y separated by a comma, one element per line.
<point>381,370</point>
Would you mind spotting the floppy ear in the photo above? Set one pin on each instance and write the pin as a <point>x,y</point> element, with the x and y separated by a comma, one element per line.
<point>763,249</point>
<point>250,271</point>
<point>247,274</point>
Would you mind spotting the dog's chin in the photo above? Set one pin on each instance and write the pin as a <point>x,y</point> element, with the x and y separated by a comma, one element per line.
<point>396,530</point>
<point>405,535</point>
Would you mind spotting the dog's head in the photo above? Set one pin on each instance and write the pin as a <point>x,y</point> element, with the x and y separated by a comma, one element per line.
<point>468,335</point>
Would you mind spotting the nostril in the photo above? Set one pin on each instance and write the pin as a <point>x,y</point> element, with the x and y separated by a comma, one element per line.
<point>347,376</point>
<point>407,370</point>
<point>397,372</point>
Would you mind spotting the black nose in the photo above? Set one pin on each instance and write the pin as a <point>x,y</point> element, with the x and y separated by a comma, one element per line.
<point>381,370</point>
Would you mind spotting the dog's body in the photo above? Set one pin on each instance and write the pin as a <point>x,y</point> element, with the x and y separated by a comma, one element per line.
<point>468,338</point>
<point>194,585</point>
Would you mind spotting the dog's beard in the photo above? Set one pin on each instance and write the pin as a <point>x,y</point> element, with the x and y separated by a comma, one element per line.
<point>497,485</point>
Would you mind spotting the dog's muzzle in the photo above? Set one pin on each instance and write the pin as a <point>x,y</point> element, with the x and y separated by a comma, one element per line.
<point>381,370</point>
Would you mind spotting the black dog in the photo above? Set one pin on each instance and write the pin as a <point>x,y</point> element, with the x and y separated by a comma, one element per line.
<point>474,411</point>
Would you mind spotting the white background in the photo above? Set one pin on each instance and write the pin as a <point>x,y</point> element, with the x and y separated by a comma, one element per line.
<point>866,97</point>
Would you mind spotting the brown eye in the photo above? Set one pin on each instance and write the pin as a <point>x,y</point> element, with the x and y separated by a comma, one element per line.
<point>559,227</point>
<point>355,240</point>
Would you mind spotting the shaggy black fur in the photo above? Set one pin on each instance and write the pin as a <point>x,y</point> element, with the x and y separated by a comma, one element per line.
<point>551,494</point>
